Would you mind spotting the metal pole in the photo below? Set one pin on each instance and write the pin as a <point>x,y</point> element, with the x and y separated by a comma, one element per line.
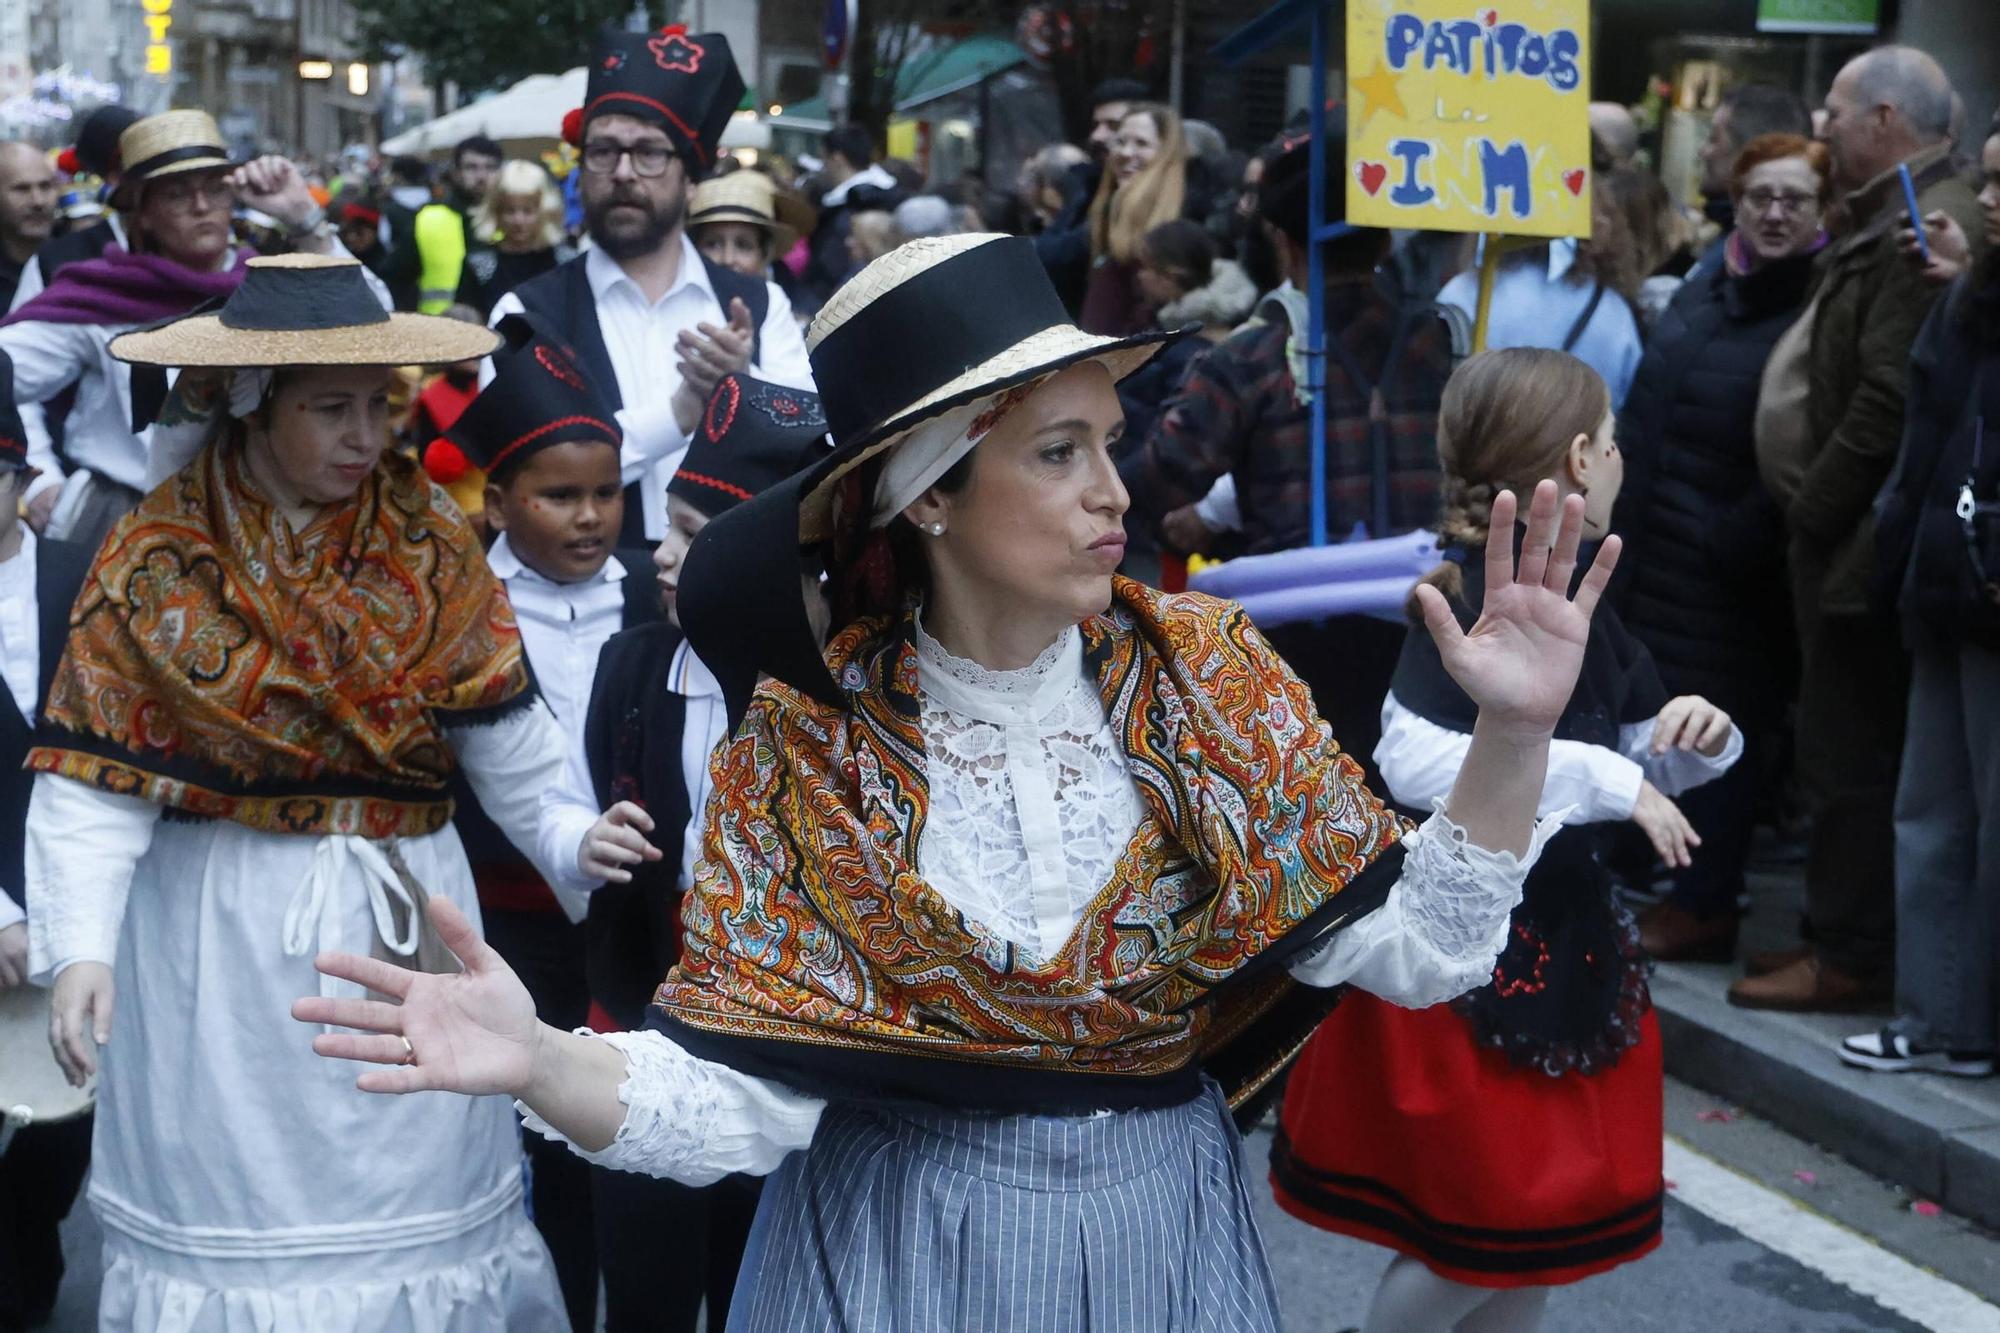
<point>1315,357</point>
<point>1177,66</point>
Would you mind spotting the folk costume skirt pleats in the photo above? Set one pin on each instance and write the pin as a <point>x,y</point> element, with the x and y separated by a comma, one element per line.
<point>1399,1129</point>
<point>1126,1222</point>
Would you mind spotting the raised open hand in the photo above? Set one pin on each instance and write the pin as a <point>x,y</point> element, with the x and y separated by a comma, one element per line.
<point>1520,659</point>
<point>472,1031</point>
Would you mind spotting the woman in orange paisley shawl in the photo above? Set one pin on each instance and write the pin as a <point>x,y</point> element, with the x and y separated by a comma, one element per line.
<point>1018,883</point>
<point>274,667</point>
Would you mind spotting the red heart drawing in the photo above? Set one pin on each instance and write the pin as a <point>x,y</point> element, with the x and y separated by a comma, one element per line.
<point>1489,16</point>
<point>1371,175</point>
<point>1574,180</point>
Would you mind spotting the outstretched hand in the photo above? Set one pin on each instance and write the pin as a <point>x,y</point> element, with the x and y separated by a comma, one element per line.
<point>472,1031</point>
<point>1519,661</point>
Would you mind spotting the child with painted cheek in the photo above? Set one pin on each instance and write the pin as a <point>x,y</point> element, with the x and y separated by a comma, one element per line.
<point>560,509</point>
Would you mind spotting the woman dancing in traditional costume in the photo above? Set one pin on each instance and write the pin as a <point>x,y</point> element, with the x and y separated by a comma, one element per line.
<point>1009,888</point>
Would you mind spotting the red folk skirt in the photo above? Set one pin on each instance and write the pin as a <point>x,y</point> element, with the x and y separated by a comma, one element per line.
<point>1398,1129</point>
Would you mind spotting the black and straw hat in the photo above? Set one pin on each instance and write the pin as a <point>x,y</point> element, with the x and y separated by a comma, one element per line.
<point>933,325</point>
<point>752,197</point>
<point>304,310</point>
<point>538,398</point>
<point>168,144</point>
<point>752,436</point>
<point>687,84</point>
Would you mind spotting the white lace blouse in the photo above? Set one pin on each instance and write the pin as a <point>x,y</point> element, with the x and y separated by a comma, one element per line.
<point>1031,804</point>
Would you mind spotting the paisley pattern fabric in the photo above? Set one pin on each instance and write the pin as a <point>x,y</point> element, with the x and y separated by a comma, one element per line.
<point>297,682</point>
<point>815,953</point>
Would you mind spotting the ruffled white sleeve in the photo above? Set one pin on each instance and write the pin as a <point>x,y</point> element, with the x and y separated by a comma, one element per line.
<point>82,847</point>
<point>693,1120</point>
<point>1443,925</point>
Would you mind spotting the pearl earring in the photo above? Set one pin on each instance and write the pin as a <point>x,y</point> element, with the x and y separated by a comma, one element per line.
<point>936,529</point>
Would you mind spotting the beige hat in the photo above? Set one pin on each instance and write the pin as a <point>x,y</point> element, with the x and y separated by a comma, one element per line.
<point>166,145</point>
<point>305,310</point>
<point>751,196</point>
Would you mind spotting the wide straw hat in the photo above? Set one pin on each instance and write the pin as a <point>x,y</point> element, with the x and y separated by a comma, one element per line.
<point>167,145</point>
<point>304,310</point>
<point>752,197</point>
<point>933,325</point>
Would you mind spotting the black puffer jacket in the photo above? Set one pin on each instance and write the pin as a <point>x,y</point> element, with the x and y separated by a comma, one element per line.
<point>1951,434</point>
<point>1702,582</point>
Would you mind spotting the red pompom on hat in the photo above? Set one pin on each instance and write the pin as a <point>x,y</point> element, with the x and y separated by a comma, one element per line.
<point>445,462</point>
<point>66,162</point>
<point>572,127</point>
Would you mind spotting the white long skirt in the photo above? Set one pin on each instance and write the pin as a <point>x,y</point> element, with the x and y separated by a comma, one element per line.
<point>242,1181</point>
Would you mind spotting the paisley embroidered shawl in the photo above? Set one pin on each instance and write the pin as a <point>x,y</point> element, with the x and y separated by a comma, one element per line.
<point>816,954</point>
<point>225,666</point>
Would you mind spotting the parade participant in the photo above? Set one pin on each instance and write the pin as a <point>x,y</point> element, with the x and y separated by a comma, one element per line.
<point>851,178</point>
<point>1025,843</point>
<point>743,221</point>
<point>548,449</point>
<point>247,763</point>
<point>43,1168</point>
<point>653,323</point>
<point>656,718</point>
<point>179,189</point>
<point>516,233</point>
<point>1511,1141</point>
<point>27,211</point>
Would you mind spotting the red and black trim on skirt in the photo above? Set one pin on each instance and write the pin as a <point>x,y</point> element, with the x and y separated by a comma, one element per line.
<point>1490,1256</point>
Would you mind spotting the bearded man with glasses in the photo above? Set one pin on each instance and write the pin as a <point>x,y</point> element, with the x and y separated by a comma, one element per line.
<point>178,193</point>
<point>654,324</point>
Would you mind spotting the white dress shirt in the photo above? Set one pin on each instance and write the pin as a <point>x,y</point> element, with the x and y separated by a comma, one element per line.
<point>563,628</point>
<point>20,655</point>
<point>33,419</point>
<point>640,337</point>
<point>702,729</point>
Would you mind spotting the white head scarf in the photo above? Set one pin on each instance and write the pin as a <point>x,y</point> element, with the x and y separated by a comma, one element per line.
<point>930,450</point>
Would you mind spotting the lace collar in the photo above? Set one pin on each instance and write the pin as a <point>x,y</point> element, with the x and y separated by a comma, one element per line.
<point>1003,698</point>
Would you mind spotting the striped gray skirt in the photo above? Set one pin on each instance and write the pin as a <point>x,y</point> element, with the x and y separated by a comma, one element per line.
<point>1133,1222</point>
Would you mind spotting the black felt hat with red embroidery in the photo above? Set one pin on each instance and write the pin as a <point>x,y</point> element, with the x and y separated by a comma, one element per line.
<point>753,435</point>
<point>687,84</point>
<point>14,436</point>
<point>538,398</point>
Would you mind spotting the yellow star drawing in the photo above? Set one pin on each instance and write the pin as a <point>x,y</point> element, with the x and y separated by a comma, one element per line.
<point>1379,88</point>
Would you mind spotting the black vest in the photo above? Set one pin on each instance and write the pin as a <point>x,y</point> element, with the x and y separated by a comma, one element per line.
<point>486,847</point>
<point>563,298</point>
<point>60,568</point>
<point>632,741</point>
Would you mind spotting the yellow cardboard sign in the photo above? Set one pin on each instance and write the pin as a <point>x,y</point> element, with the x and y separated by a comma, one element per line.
<point>1469,116</point>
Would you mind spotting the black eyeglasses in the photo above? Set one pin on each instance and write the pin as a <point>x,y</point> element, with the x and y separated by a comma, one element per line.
<point>648,159</point>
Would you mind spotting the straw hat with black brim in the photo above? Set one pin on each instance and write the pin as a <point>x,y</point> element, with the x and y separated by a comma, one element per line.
<point>752,197</point>
<point>169,144</point>
<point>931,326</point>
<point>304,310</point>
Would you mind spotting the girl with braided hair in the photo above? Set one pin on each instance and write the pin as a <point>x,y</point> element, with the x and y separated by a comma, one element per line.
<point>1509,1141</point>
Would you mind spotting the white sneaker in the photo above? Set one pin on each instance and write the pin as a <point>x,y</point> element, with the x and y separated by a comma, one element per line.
<point>1890,1052</point>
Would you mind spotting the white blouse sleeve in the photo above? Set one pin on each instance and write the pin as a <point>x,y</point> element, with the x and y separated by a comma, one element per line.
<point>1676,771</point>
<point>1443,925</point>
<point>1420,761</point>
<point>510,763</point>
<point>692,1120</point>
<point>566,812</point>
<point>82,846</point>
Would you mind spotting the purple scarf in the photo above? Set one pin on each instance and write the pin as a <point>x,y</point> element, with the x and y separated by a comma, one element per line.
<point>119,287</point>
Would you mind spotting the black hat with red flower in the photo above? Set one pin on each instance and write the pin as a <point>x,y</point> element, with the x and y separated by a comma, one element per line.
<point>538,398</point>
<point>753,435</point>
<point>685,83</point>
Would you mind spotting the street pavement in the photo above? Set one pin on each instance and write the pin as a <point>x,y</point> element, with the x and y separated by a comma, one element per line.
<point>1764,1234</point>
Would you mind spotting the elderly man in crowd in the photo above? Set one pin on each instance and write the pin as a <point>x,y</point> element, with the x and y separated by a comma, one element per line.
<point>1888,108</point>
<point>27,211</point>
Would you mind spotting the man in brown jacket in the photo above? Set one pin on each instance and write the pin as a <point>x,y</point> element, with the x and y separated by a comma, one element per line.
<point>1889,107</point>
